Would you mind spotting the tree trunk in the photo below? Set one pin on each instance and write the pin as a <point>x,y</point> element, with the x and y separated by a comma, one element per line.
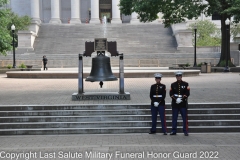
<point>225,43</point>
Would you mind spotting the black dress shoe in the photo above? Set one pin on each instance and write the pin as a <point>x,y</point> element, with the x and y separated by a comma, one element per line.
<point>165,133</point>
<point>152,132</point>
<point>172,133</point>
<point>185,134</point>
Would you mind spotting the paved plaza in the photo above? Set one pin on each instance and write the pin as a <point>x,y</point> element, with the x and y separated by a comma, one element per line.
<point>122,147</point>
<point>205,88</point>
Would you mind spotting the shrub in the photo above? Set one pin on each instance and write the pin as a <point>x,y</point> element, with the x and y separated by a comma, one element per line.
<point>22,65</point>
<point>9,66</point>
<point>187,64</point>
<point>200,64</point>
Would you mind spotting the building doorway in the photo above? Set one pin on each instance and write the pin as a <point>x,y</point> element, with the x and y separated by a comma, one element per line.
<point>105,9</point>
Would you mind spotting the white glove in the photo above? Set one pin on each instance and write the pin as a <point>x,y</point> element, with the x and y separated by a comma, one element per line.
<point>156,104</point>
<point>179,100</point>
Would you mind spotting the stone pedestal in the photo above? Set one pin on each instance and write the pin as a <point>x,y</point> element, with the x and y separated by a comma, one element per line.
<point>26,39</point>
<point>101,96</point>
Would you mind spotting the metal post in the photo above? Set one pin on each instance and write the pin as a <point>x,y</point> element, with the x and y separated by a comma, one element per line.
<point>13,44</point>
<point>195,51</point>
<point>80,74</point>
<point>227,47</point>
<point>226,69</point>
<point>89,14</point>
<point>121,74</point>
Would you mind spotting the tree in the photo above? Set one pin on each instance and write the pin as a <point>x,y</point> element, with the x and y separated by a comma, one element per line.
<point>207,33</point>
<point>7,19</point>
<point>176,11</point>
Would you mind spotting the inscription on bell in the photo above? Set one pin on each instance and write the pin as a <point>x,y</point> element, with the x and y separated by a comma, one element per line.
<point>100,44</point>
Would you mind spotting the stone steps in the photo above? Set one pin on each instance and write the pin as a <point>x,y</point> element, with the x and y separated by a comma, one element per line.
<point>117,119</point>
<point>142,38</point>
<point>145,45</point>
<point>96,124</point>
<point>112,130</point>
<point>112,112</point>
<point>68,61</point>
<point>111,117</point>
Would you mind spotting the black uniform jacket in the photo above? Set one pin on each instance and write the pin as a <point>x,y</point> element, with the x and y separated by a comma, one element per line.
<point>45,60</point>
<point>179,89</point>
<point>158,93</point>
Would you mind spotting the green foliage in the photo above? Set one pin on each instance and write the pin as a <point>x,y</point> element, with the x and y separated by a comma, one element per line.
<point>5,37</point>
<point>179,10</point>
<point>126,6</point>
<point>21,23</point>
<point>7,18</point>
<point>3,2</point>
<point>200,64</point>
<point>232,8</point>
<point>22,65</point>
<point>9,66</point>
<point>187,65</point>
<point>207,33</point>
<point>222,63</point>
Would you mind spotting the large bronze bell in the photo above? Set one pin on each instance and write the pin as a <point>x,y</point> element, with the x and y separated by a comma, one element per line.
<point>101,69</point>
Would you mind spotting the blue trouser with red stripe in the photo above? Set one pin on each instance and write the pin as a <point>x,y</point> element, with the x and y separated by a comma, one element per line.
<point>161,110</point>
<point>183,112</point>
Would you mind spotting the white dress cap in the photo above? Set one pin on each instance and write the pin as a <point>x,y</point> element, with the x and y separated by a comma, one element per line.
<point>178,73</point>
<point>158,75</point>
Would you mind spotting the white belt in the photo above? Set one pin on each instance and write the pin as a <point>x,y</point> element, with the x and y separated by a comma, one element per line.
<point>176,95</point>
<point>157,95</point>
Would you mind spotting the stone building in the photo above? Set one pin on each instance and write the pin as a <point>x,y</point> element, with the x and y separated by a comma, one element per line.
<point>90,11</point>
<point>71,11</point>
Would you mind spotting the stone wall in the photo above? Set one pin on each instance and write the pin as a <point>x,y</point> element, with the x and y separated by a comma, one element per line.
<point>21,7</point>
<point>235,58</point>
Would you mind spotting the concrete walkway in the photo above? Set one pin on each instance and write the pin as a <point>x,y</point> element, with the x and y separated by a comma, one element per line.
<point>122,147</point>
<point>206,88</point>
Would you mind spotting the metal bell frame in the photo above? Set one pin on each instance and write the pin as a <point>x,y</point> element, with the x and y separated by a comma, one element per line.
<point>89,49</point>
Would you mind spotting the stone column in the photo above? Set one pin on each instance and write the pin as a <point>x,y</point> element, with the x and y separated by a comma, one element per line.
<point>134,18</point>
<point>115,12</point>
<point>55,12</point>
<point>35,14</point>
<point>95,11</point>
<point>75,14</point>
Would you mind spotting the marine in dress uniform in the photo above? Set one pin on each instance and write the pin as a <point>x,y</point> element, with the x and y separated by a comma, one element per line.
<point>157,96</point>
<point>179,92</point>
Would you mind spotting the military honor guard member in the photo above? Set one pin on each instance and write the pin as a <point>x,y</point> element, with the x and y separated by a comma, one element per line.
<point>157,96</point>
<point>179,92</point>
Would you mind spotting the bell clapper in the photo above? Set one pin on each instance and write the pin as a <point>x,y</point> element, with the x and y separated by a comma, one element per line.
<point>101,84</point>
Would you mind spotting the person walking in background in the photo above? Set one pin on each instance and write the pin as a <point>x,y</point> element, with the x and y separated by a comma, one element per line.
<point>179,92</point>
<point>45,62</point>
<point>157,96</point>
